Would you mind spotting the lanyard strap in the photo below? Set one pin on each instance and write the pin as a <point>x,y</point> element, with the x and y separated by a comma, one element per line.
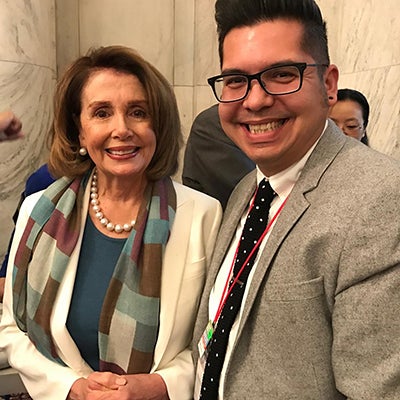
<point>227,291</point>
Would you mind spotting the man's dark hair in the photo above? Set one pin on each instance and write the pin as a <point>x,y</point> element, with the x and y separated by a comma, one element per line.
<point>231,14</point>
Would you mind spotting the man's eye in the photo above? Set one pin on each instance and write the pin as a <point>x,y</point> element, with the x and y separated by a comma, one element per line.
<point>283,75</point>
<point>234,81</point>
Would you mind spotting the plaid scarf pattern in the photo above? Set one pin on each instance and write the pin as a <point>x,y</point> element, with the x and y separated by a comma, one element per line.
<point>129,319</point>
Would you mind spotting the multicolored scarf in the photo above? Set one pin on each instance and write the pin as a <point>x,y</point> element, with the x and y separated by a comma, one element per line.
<point>129,319</point>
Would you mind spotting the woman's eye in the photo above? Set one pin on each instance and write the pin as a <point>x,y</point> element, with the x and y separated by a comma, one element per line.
<point>101,113</point>
<point>138,113</point>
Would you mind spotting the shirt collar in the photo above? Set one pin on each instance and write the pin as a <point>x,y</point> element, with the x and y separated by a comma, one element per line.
<point>283,182</point>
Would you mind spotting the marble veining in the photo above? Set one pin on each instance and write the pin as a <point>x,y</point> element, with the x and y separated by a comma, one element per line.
<point>27,31</point>
<point>27,89</point>
<point>27,79</point>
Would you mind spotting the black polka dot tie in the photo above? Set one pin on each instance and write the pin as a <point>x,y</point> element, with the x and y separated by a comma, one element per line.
<point>254,227</point>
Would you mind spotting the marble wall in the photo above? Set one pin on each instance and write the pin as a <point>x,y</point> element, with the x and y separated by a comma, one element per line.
<point>27,77</point>
<point>364,38</point>
<point>38,38</point>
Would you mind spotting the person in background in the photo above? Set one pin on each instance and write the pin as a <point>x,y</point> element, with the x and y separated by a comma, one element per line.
<point>108,263</point>
<point>37,181</point>
<point>10,126</point>
<point>213,164</point>
<point>351,113</point>
<point>302,295</point>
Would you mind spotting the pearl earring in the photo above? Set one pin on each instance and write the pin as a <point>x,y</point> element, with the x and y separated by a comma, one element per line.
<point>83,151</point>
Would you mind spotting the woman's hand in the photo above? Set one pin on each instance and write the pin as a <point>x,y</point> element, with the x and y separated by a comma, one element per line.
<point>79,390</point>
<point>105,381</point>
<point>95,386</point>
<point>109,386</point>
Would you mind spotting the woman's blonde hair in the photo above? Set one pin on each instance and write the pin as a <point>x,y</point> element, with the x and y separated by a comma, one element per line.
<point>64,155</point>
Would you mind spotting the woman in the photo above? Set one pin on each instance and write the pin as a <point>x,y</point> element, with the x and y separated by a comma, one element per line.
<point>351,113</point>
<point>108,263</point>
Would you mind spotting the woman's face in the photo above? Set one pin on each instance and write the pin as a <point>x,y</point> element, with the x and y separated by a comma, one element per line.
<point>347,114</point>
<point>116,125</point>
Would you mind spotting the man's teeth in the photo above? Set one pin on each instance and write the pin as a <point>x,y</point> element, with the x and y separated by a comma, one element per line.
<point>261,128</point>
<point>121,152</point>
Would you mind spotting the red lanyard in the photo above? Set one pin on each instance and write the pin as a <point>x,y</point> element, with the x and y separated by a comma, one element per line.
<point>227,292</point>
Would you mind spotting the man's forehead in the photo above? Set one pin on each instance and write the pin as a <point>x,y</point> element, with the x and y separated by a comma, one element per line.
<point>266,43</point>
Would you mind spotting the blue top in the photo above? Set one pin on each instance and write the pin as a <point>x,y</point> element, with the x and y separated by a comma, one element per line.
<point>39,180</point>
<point>98,257</point>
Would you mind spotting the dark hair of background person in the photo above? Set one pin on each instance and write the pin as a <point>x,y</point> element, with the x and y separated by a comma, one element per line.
<point>358,97</point>
<point>238,13</point>
<point>64,158</point>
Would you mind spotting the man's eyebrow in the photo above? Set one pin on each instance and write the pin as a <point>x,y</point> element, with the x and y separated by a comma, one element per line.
<point>276,64</point>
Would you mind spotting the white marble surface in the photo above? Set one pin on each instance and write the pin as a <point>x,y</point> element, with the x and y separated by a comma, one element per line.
<point>381,87</point>
<point>27,77</point>
<point>184,34</point>
<point>146,25</point>
<point>365,46</point>
<point>67,33</point>
<point>27,31</point>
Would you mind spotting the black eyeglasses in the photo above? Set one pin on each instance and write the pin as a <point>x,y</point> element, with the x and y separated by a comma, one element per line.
<point>282,79</point>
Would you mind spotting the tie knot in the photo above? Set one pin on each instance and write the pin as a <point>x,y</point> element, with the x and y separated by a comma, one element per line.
<point>264,194</point>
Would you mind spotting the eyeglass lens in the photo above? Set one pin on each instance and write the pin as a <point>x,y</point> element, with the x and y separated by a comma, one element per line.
<point>277,80</point>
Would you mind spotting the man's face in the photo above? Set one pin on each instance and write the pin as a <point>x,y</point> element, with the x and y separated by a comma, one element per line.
<point>275,131</point>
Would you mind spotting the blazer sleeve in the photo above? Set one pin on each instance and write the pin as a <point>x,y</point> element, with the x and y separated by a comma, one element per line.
<point>44,379</point>
<point>365,319</point>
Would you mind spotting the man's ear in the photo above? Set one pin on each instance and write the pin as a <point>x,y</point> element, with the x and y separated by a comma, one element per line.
<point>331,78</point>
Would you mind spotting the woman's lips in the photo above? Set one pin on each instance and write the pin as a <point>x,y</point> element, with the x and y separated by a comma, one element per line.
<point>122,152</point>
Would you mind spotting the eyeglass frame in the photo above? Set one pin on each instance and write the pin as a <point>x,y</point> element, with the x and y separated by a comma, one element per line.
<point>301,67</point>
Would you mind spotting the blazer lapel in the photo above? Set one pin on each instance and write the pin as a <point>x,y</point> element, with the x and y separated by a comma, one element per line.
<point>68,350</point>
<point>324,153</point>
<point>238,203</point>
<point>172,275</point>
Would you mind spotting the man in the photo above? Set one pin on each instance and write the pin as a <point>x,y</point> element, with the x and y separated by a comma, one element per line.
<point>213,164</point>
<point>319,317</point>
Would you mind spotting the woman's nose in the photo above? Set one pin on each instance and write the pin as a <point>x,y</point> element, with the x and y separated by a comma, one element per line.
<point>121,127</point>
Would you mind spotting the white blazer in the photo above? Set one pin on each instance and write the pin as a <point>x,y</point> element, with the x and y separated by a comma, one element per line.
<point>187,255</point>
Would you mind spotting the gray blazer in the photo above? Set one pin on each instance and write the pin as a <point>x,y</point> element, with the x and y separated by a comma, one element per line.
<point>322,319</point>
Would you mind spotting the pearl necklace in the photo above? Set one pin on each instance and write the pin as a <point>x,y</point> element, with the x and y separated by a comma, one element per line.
<point>94,201</point>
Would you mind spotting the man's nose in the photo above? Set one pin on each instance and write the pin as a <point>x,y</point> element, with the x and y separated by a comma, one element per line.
<point>257,97</point>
